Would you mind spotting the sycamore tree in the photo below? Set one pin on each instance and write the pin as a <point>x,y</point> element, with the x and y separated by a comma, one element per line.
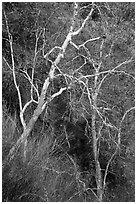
<point>72,64</point>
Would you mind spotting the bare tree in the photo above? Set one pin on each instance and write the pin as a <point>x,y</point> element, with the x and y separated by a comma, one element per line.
<point>91,58</point>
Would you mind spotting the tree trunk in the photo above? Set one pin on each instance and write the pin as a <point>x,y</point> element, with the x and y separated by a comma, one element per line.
<point>30,125</point>
<point>95,152</point>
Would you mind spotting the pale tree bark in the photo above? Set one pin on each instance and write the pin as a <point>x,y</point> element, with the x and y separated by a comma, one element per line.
<point>41,103</point>
<point>98,74</point>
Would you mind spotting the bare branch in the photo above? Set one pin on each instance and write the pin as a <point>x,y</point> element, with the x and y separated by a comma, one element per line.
<point>13,72</point>
<point>119,131</point>
<point>84,22</point>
